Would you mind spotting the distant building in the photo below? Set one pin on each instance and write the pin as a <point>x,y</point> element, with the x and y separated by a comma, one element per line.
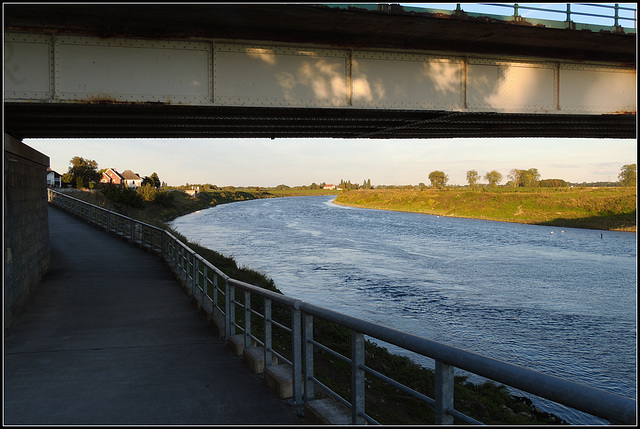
<point>331,187</point>
<point>112,176</point>
<point>131,179</point>
<point>193,192</point>
<point>54,180</point>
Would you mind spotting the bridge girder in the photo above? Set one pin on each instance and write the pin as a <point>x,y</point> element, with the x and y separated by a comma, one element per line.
<point>239,71</point>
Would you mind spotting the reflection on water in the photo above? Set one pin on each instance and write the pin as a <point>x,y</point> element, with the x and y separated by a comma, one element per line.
<point>561,301</point>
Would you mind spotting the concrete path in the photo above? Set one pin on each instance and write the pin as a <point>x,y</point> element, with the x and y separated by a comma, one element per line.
<point>111,338</point>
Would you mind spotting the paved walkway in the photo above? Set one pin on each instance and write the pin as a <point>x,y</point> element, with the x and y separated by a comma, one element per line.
<point>111,338</point>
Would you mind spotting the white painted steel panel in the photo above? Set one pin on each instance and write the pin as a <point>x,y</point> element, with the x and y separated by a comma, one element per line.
<point>591,89</point>
<point>27,67</point>
<point>91,69</point>
<point>406,81</point>
<point>511,87</point>
<point>260,75</point>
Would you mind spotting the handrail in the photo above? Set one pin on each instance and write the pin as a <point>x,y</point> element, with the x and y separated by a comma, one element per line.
<point>568,12</point>
<point>593,401</point>
<point>547,16</point>
<point>198,274</point>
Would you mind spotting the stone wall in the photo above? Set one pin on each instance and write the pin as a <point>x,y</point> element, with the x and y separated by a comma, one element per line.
<point>26,224</point>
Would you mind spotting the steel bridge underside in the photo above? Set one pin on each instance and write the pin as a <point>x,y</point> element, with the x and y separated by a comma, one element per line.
<point>162,121</point>
<point>304,71</point>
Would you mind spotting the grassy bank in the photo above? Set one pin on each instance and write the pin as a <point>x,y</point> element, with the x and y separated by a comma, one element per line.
<point>489,402</point>
<point>593,208</point>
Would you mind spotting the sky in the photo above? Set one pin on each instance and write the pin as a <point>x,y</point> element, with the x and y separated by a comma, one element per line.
<point>296,162</point>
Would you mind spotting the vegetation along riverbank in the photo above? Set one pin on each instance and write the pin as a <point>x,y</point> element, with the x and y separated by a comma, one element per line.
<point>612,208</point>
<point>488,402</point>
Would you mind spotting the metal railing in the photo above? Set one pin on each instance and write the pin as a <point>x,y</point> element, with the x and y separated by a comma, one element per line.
<point>600,11</point>
<point>594,16</point>
<point>220,295</point>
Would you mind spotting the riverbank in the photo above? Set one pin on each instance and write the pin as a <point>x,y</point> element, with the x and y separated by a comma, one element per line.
<point>489,402</point>
<point>612,209</point>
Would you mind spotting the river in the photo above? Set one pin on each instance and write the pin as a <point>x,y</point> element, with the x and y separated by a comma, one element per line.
<point>561,301</point>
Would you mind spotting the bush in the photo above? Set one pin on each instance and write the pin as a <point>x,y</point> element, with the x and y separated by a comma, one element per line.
<point>152,194</point>
<point>123,195</point>
<point>553,183</point>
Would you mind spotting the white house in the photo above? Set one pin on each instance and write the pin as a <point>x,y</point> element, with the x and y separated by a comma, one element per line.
<point>131,179</point>
<point>54,180</point>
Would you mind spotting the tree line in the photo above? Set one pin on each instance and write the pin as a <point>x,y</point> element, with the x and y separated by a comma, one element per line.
<point>520,178</point>
<point>84,173</point>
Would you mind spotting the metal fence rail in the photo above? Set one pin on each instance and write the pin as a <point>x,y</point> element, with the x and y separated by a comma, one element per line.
<point>577,16</point>
<point>219,294</point>
<point>596,10</point>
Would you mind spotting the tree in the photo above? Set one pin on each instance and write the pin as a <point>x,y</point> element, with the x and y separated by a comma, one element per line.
<point>438,179</point>
<point>627,175</point>
<point>493,177</point>
<point>82,172</point>
<point>347,186</point>
<point>152,180</point>
<point>514,177</point>
<point>530,178</point>
<point>472,178</point>
<point>524,178</point>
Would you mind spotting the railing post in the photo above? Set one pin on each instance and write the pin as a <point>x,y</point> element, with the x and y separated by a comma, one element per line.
<point>194,275</point>
<point>307,369</point>
<point>184,263</point>
<point>162,248</point>
<point>215,290</point>
<point>570,24</point>
<point>229,326</point>
<point>444,393</point>
<point>357,378</point>
<point>247,319</point>
<point>296,351</point>
<point>205,281</point>
<point>268,343</point>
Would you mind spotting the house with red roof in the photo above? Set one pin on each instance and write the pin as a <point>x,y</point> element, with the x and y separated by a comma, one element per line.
<point>110,175</point>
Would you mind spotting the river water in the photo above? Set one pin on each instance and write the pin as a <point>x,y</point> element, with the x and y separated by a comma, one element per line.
<point>561,301</point>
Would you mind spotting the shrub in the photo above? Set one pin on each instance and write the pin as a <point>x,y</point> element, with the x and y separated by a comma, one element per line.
<point>152,194</point>
<point>553,183</point>
<point>123,195</point>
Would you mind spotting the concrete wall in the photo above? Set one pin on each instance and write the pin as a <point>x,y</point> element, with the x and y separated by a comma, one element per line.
<point>26,224</point>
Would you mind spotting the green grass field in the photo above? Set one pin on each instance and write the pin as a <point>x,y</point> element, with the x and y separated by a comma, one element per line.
<point>593,208</point>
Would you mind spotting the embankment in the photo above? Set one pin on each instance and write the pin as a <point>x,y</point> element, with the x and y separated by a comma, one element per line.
<point>592,208</point>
